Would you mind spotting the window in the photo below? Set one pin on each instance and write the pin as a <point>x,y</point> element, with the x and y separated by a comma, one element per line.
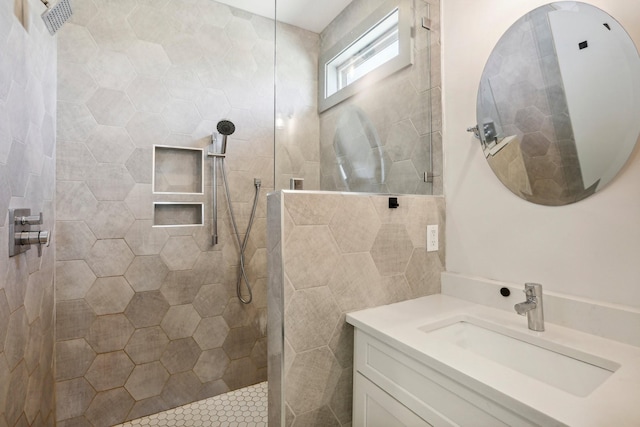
<point>382,47</point>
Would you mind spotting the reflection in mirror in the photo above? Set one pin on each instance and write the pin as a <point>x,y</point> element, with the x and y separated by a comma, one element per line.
<point>392,126</point>
<point>558,103</point>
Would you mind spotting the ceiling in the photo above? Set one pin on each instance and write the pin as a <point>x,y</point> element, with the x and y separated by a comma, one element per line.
<point>312,15</point>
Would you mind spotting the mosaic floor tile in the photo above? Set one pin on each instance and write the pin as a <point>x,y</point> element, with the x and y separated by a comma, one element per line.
<point>246,407</point>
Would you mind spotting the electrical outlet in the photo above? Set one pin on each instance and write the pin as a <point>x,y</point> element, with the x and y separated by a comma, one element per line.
<point>432,238</point>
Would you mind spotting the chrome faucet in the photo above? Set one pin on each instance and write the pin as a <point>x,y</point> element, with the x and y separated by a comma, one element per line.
<point>532,307</point>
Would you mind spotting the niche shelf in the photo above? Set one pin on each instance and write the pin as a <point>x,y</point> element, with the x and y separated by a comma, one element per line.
<point>177,170</point>
<point>170,214</point>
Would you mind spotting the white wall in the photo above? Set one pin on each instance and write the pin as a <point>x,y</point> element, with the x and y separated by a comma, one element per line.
<point>589,249</point>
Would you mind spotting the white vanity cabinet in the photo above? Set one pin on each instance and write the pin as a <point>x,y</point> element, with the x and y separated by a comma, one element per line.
<point>392,389</point>
<point>442,361</point>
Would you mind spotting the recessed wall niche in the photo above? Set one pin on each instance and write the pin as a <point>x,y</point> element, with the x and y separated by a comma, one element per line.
<point>177,170</point>
<point>169,214</point>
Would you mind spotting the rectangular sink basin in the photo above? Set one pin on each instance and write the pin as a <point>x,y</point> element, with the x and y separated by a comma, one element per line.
<point>562,367</point>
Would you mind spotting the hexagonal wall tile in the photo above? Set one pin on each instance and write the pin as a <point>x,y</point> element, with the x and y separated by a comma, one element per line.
<point>183,48</point>
<point>310,318</point>
<point>75,83</point>
<point>181,388</point>
<point>148,94</point>
<point>179,253</point>
<point>241,63</point>
<point>212,104</point>
<point>147,380</point>
<point>109,370</point>
<point>147,129</point>
<point>109,295</point>
<point>140,166</point>
<point>356,282</point>
<point>110,144</point>
<point>73,279</point>
<point>312,256</point>
<point>180,321</point>
<point>180,355</point>
<point>111,70</point>
<point>109,257</point>
<point>110,407</point>
<point>111,107</point>
<point>211,300</point>
<point>140,200</point>
<point>305,210</point>
<point>211,365</point>
<point>181,116</point>
<point>401,141</point>
<point>211,332</point>
<point>146,273</point>
<point>73,319</point>
<point>146,309</point>
<point>111,220</point>
<point>148,59</point>
<point>242,373</point>
<point>181,287</point>
<point>144,239</point>
<point>147,345</point>
<point>111,31</point>
<point>423,273</point>
<point>77,45</point>
<point>392,249</point>
<point>239,342</point>
<point>73,240</point>
<point>311,373</point>
<point>110,182</point>
<point>74,122</point>
<point>109,333</point>
<point>73,358</point>
<point>151,24</point>
<point>74,201</point>
<point>17,336</point>
<point>241,32</point>
<point>73,398</point>
<point>355,228</point>
<point>73,161</point>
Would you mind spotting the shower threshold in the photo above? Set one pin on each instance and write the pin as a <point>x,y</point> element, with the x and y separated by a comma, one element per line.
<point>246,407</point>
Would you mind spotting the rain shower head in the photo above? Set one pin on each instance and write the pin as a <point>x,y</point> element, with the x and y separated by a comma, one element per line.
<point>56,15</point>
<point>225,128</point>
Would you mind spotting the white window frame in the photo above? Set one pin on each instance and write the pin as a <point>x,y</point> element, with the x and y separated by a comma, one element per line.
<point>360,42</point>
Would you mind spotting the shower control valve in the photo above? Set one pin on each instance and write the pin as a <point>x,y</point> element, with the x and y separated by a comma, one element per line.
<point>21,236</point>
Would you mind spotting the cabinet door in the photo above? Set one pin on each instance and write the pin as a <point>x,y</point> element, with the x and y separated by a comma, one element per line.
<point>373,407</point>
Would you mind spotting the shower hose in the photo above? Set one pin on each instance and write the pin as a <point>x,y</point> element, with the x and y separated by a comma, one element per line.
<point>241,244</point>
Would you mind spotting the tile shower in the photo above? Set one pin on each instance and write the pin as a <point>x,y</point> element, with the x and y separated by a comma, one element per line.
<point>147,317</point>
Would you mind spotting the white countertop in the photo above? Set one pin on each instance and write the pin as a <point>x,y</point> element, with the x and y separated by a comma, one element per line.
<point>616,402</point>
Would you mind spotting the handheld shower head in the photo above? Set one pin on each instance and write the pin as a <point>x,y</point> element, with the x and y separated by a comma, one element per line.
<point>225,128</point>
<point>56,15</point>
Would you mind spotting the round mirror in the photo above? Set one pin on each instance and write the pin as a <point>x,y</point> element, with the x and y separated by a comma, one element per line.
<point>559,103</point>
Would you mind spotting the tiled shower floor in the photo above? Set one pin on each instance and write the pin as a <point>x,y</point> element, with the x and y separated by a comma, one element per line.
<point>246,407</point>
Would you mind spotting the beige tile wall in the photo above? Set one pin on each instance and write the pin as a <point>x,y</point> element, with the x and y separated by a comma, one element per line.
<point>330,254</point>
<point>147,317</point>
<point>27,173</point>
